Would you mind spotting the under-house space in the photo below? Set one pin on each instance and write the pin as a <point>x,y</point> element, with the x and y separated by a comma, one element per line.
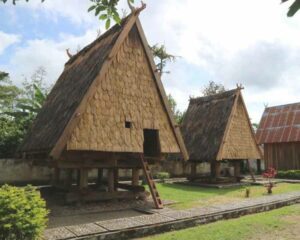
<point>216,129</point>
<point>107,111</point>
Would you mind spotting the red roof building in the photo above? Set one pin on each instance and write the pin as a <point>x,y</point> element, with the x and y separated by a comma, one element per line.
<point>279,132</point>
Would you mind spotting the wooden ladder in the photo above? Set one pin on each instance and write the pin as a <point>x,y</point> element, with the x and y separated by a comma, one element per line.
<point>151,183</point>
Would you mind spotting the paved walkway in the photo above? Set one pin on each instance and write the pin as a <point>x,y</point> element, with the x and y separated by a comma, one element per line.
<point>167,219</point>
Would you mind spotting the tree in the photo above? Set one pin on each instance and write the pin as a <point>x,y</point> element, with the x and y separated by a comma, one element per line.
<point>18,108</point>
<point>178,115</point>
<point>8,93</point>
<point>293,8</point>
<point>160,54</point>
<point>105,9</point>
<point>213,88</point>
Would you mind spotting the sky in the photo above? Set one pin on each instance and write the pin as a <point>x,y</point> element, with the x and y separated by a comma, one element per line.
<point>248,42</point>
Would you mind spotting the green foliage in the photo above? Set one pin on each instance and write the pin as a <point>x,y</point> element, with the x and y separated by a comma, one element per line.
<point>18,108</point>
<point>11,136</point>
<point>290,174</point>
<point>160,54</point>
<point>106,10</point>
<point>293,8</point>
<point>15,1</point>
<point>23,213</point>
<point>178,115</point>
<point>213,88</point>
<point>162,175</point>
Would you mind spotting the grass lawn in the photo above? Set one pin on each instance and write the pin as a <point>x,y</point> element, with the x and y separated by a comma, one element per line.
<point>192,196</point>
<point>283,223</point>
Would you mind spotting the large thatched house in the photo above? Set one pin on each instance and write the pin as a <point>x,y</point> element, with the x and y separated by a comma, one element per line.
<point>279,132</point>
<point>218,128</point>
<point>108,110</point>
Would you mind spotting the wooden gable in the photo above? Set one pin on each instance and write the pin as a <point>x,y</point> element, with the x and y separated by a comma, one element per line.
<point>126,101</point>
<point>239,141</point>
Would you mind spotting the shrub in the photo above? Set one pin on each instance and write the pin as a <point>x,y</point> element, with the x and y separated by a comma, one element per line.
<point>162,175</point>
<point>23,213</point>
<point>290,174</point>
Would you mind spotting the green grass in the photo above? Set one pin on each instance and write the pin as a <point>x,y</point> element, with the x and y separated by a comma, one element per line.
<point>265,225</point>
<point>191,196</point>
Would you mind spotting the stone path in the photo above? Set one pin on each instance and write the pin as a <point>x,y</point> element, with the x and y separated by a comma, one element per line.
<point>168,219</point>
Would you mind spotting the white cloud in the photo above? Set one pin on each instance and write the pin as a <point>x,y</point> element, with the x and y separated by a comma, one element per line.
<point>47,53</point>
<point>6,40</point>
<point>248,42</point>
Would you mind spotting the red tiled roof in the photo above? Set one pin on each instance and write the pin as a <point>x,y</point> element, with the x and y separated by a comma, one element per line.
<point>280,124</point>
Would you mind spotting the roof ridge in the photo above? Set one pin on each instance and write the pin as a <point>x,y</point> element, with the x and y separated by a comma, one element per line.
<point>216,96</point>
<point>98,39</point>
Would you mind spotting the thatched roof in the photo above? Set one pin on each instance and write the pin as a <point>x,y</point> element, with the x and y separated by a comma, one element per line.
<point>67,93</point>
<point>57,118</point>
<point>209,120</point>
<point>204,124</point>
<point>280,124</point>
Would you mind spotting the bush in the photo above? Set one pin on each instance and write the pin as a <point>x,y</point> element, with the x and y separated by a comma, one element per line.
<point>23,213</point>
<point>162,175</point>
<point>290,174</point>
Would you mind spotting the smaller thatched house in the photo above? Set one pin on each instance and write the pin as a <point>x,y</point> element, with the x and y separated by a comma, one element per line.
<point>218,128</point>
<point>279,132</point>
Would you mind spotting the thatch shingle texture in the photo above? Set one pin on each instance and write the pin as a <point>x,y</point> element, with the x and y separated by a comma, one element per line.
<point>80,71</point>
<point>204,125</point>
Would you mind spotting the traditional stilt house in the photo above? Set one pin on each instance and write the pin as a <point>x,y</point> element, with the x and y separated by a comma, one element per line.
<point>279,133</point>
<point>108,110</point>
<point>217,128</point>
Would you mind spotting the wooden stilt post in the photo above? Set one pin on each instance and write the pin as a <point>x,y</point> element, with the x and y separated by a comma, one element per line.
<point>215,168</point>
<point>116,178</point>
<point>56,176</point>
<point>83,178</point>
<point>78,177</point>
<point>250,171</point>
<point>69,178</point>
<point>111,180</point>
<point>100,176</point>
<point>193,170</point>
<point>237,169</point>
<point>135,176</point>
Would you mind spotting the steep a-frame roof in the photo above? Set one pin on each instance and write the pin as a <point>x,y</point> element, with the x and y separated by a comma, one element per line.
<point>207,122</point>
<point>67,100</point>
<point>280,124</point>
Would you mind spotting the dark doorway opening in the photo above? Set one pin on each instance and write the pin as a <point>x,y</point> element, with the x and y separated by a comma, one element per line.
<point>151,143</point>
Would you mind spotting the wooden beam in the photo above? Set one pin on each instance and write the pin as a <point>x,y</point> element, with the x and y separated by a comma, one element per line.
<point>56,176</point>
<point>131,188</point>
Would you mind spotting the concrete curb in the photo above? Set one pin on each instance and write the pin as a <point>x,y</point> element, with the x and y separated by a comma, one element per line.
<point>147,230</point>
